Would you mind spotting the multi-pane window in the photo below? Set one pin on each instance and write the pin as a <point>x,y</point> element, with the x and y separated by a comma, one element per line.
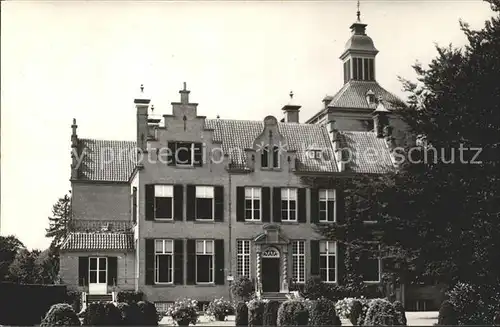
<point>289,204</point>
<point>243,262</point>
<point>328,262</point>
<point>164,261</point>
<point>264,157</point>
<point>164,201</point>
<point>204,261</point>
<point>134,204</point>
<point>299,261</point>
<point>276,157</point>
<point>97,270</point>
<point>185,153</point>
<point>370,264</point>
<point>205,202</point>
<point>326,205</point>
<point>252,203</point>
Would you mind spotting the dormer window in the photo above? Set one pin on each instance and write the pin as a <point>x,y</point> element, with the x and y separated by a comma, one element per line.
<point>314,154</point>
<point>276,157</point>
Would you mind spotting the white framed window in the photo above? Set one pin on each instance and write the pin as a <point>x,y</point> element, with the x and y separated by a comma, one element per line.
<point>371,266</point>
<point>327,207</point>
<point>204,261</point>
<point>205,203</point>
<point>328,261</point>
<point>288,204</point>
<point>299,261</point>
<point>164,202</point>
<point>98,273</point>
<point>253,203</point>
<point>243,260</point>
<point>164,261</point>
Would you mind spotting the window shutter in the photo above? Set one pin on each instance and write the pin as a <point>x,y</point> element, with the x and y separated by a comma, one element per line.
<point>134,205</point>
<point>219,262</point>
<point>178,262</point>
<point>150,261</point>
<point>339,256</point>
<point>83,271</point>
<point>178,202</point>
<point>191,262</point>
<point>150,201</point>
<point>112,271</point>
<point>277,204</point>
<point>314,258</point>
<point>191,202</point>
<point>240,203</point>
<point>340,211</point>
<point>219,203</point>
<point>198,155</point>
<point>266,204</point>
<point>314,206</point>
<point>301,199</point>
<point>171,157</point>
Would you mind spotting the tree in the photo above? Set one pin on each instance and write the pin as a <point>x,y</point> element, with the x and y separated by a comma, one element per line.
<point>47,266</point>
<point>23,269</point>
<point>9,246</point>
<point>58,223</point>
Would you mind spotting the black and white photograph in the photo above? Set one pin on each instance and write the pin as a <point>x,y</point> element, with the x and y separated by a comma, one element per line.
<point>250,163</point>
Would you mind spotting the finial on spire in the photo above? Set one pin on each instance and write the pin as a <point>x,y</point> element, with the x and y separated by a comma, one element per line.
<point>218,117</point>
<point>142,88</point>
<point>291,94</point>
<point>358,13</point>
<point>152,107</point>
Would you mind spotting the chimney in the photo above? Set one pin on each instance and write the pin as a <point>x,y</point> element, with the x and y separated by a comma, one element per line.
<point>326,101</point>
<point>74,151</point>
<point>291,111</point>
<point>380,119</point>
<point>142,104</point>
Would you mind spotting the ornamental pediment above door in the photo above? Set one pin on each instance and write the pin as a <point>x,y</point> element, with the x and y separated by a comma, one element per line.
<point>272,235</point>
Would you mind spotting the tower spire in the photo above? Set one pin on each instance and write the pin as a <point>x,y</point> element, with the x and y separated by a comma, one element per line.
<point>358,14</point>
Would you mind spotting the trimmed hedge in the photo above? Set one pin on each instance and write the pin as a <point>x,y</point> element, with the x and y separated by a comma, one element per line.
<point>61,314</point>
<point>95,314</point>
<point>255,312</point>
<point>130,314</point>
<point>271,313</point>
<point>149,313</point>
<point>129,296</point>
<point>356,312</point>
<point>447,314</point>
<point>113,315</point>
<point>242,288</point>
<point>74,298</point>
<point>241,318</point>
<point>400,313</point>
<point>315,288</point>
<point>293,313</point>
<point>322,313</point>
<point>380,313</point>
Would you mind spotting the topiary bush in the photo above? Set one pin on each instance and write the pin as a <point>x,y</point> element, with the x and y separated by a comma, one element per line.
<point>322,313</point>
<point>112,314</point>
<point>241,318</point>
<point>129,296</point>
<point>95,314</point>
<point>315,288</point>
<point>255,312</point>
<point>380,313</point>
<point>149,314</point>
<point>447,314</point>
<point>400,313</point>
<point>293,313</point>
<point>61,314</point>
<point>271,313</point>
<point>242,288</point>
<point>356,312</point>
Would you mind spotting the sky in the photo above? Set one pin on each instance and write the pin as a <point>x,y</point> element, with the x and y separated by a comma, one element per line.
<point>86,60</point>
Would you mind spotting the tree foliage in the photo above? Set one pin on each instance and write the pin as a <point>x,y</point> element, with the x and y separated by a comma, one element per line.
<point>9,246</point>
<point>58,223</point>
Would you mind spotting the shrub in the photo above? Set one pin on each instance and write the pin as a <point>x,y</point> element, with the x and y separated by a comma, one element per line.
<point>322,313</point>
<point>292,313</point>
<point>74,298</point>
<point>130,314</point>
<point>219,308</point>
<point>61,314</point>
<point>380,313</point>
<point>129,296</point>
<point>256,312</point>
<point>468,304</point>
<point>242,288</point>
<point>184,312</point>
<point>400,313</point>
<point>241,318</point>
<point>95,314</point>
<point>496,319</point>
<point>112,314</point>
<point>355,312</point>
<point>315,288</point>
<point>149,314</point>
<point>271,313</point>
<point>447,314</point>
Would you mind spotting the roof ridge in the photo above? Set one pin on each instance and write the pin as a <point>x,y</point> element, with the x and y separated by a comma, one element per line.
<point>106,140</point>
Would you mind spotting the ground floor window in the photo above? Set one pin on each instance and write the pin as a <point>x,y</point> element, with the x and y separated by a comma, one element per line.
<point>243,261</point>
<point>164,261</point>
<point>299,261</point>
<point>97,270</point>
<point>328,262</point>
<point>204,261</point>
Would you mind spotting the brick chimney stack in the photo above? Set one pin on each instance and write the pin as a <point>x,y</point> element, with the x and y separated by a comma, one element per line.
<point>291,111</point>
<point>142,104</point>
<point>74,151</point>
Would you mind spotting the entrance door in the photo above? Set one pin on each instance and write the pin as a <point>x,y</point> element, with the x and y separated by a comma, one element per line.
<point>98,275</point>
<point>270,274</point>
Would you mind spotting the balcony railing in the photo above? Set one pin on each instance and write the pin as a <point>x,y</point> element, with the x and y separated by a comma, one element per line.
<point>82,225</point>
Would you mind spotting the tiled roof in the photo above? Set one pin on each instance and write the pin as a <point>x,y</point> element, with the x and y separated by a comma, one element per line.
<point>353,95</point>
<point>368,153</point>
<point>240,134</point>
<point>106,160</point>
<point>98,241</point>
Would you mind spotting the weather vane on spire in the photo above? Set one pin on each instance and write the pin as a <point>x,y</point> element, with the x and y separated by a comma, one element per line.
<point>358,13</point>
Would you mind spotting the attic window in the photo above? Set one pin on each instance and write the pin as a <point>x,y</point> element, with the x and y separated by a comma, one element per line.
<point>314,154</point>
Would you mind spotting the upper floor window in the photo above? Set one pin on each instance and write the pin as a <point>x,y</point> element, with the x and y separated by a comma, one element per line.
<point>185,154</point>
<point>268,155</point>
<point>264,157</point>
<point>134,204</point>
<point>164,261</point>
<point>327,205</point>
<point>276,157</point>
<point>164,202</point>
<point>288,204</point>
<point>204,261</point>
<point>252,203</point>
<point>205,202</point>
